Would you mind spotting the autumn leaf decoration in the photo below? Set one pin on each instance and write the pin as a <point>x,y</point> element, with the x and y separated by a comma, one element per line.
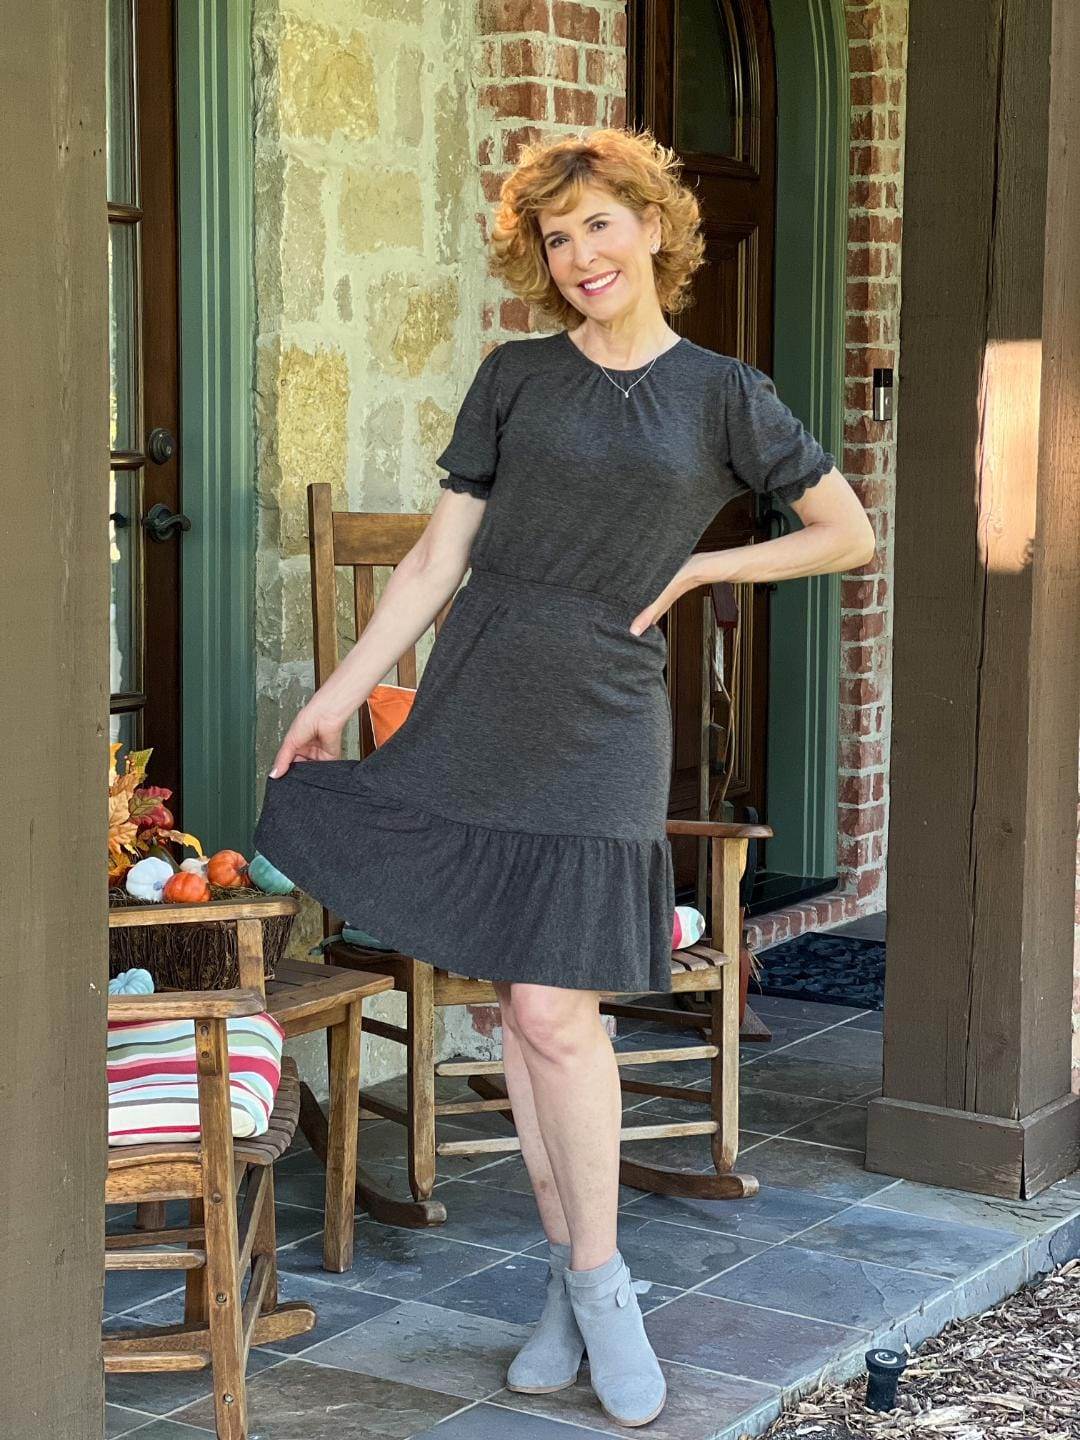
<point>139,819</point>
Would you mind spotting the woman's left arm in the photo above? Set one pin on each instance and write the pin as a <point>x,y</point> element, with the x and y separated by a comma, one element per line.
<point>836,535</point>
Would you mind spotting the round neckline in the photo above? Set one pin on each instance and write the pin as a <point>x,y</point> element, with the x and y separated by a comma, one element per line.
<point>608,368</point>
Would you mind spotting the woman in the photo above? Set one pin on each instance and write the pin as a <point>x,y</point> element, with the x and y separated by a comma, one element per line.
<point>514,827</point>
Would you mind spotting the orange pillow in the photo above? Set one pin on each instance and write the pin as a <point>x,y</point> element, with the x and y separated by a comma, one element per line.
<point>389,706</point>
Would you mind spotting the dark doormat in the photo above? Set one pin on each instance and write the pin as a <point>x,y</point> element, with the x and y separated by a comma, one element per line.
<point>835,969</point>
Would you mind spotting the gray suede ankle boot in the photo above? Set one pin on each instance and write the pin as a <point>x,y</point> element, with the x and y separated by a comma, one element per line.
<point>551,1357</point>
<point>625,1373</point>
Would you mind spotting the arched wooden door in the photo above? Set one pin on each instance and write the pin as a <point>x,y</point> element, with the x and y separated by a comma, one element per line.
<point>703,79</point>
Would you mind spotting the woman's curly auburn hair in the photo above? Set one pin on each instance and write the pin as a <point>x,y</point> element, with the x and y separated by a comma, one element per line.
<point>551,175</point>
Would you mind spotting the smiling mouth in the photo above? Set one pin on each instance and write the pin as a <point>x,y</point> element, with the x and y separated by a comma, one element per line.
<point>599,283</point>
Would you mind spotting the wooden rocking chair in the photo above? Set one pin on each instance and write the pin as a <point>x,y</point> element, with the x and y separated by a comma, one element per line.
<point>215,1249</point>
<point>359,542</point>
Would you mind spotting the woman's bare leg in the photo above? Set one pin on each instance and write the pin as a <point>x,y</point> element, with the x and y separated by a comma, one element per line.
<point>533,1151</point>
<point>571,1108</point>
<point>572,1112</point>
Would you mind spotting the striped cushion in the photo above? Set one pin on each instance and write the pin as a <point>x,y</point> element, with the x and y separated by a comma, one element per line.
<point>153,1078</point>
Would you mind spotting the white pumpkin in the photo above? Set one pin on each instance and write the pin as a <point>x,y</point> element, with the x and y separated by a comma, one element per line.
<point>146,880</point>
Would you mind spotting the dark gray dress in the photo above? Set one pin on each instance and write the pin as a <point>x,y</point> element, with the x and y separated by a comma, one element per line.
<point>514,827</point>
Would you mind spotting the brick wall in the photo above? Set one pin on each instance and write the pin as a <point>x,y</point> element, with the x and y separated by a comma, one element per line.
<point>542,66</point>
<point>877,39</point>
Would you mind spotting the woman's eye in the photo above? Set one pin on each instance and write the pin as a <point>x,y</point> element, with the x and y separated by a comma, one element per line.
<point>558,239</point>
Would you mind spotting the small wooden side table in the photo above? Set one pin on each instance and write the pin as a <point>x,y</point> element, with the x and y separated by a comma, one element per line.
<point>304,996</point>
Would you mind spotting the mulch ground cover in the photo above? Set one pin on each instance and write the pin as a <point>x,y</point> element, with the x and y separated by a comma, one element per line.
<point>1012,1373</point>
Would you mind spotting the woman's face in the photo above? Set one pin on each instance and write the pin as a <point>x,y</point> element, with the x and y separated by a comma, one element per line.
<point>605,242</point>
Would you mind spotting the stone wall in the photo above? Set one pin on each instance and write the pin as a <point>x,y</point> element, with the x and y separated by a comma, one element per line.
<point>370,272</point>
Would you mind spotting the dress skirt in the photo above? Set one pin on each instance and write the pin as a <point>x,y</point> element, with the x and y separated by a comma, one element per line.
<point>514,826</point>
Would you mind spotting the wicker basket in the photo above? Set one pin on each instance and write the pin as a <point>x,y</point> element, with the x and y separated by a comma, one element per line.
<point>194,957</point>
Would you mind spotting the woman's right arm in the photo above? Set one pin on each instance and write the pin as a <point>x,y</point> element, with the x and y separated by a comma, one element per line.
<point>418,588</point>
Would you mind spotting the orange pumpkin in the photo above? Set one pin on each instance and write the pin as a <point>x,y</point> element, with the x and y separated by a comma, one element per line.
<point>227,868</point>
<point>186,888</point>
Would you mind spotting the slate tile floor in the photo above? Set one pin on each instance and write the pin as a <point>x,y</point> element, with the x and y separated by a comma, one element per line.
<point>751,1301</point>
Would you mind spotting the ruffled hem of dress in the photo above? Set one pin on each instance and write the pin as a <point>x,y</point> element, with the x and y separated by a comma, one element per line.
<point>576,911</point>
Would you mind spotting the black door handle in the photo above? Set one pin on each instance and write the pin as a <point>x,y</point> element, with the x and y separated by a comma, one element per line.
<point>160,522</point>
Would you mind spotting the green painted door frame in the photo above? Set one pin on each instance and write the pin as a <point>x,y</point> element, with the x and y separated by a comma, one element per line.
<point>217,339</point>
<point>808,352</point>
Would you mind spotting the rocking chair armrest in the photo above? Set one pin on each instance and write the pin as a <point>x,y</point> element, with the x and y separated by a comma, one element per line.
<point>187,1005</point>
<point>719,829</point>
<point>123,916</point>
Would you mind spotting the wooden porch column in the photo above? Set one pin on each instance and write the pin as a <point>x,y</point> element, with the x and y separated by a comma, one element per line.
<point>54,704</point>
<point>982,838</point>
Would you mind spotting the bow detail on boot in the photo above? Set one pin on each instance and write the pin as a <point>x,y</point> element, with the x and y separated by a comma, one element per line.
<point>631,1287</point>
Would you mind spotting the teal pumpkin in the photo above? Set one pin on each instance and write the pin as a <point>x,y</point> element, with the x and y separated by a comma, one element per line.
<point>352,936</point>
<point>267,878</point>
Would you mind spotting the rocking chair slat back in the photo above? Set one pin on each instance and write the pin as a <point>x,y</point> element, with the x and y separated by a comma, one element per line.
<point>362,541</point>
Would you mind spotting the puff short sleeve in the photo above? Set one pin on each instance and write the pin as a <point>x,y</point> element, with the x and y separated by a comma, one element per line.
<point>767,448</point>
<point>473,453</point>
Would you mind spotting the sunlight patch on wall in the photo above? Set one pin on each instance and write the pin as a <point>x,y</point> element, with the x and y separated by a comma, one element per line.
<point>1007,454</point>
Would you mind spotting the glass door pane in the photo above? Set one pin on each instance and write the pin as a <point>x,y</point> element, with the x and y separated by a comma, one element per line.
<point>123,336</point>
<point>126,668</point>
<point>123,727</point>
<point>711,87</point>
<point>124,603</point>
<point>120,104</point>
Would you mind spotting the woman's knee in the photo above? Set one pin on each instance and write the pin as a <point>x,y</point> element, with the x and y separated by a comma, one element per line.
<point>552,1022</point>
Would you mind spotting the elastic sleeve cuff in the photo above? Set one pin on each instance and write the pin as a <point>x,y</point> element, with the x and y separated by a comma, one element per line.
<point>463,485</point>
<point>796,489</point>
